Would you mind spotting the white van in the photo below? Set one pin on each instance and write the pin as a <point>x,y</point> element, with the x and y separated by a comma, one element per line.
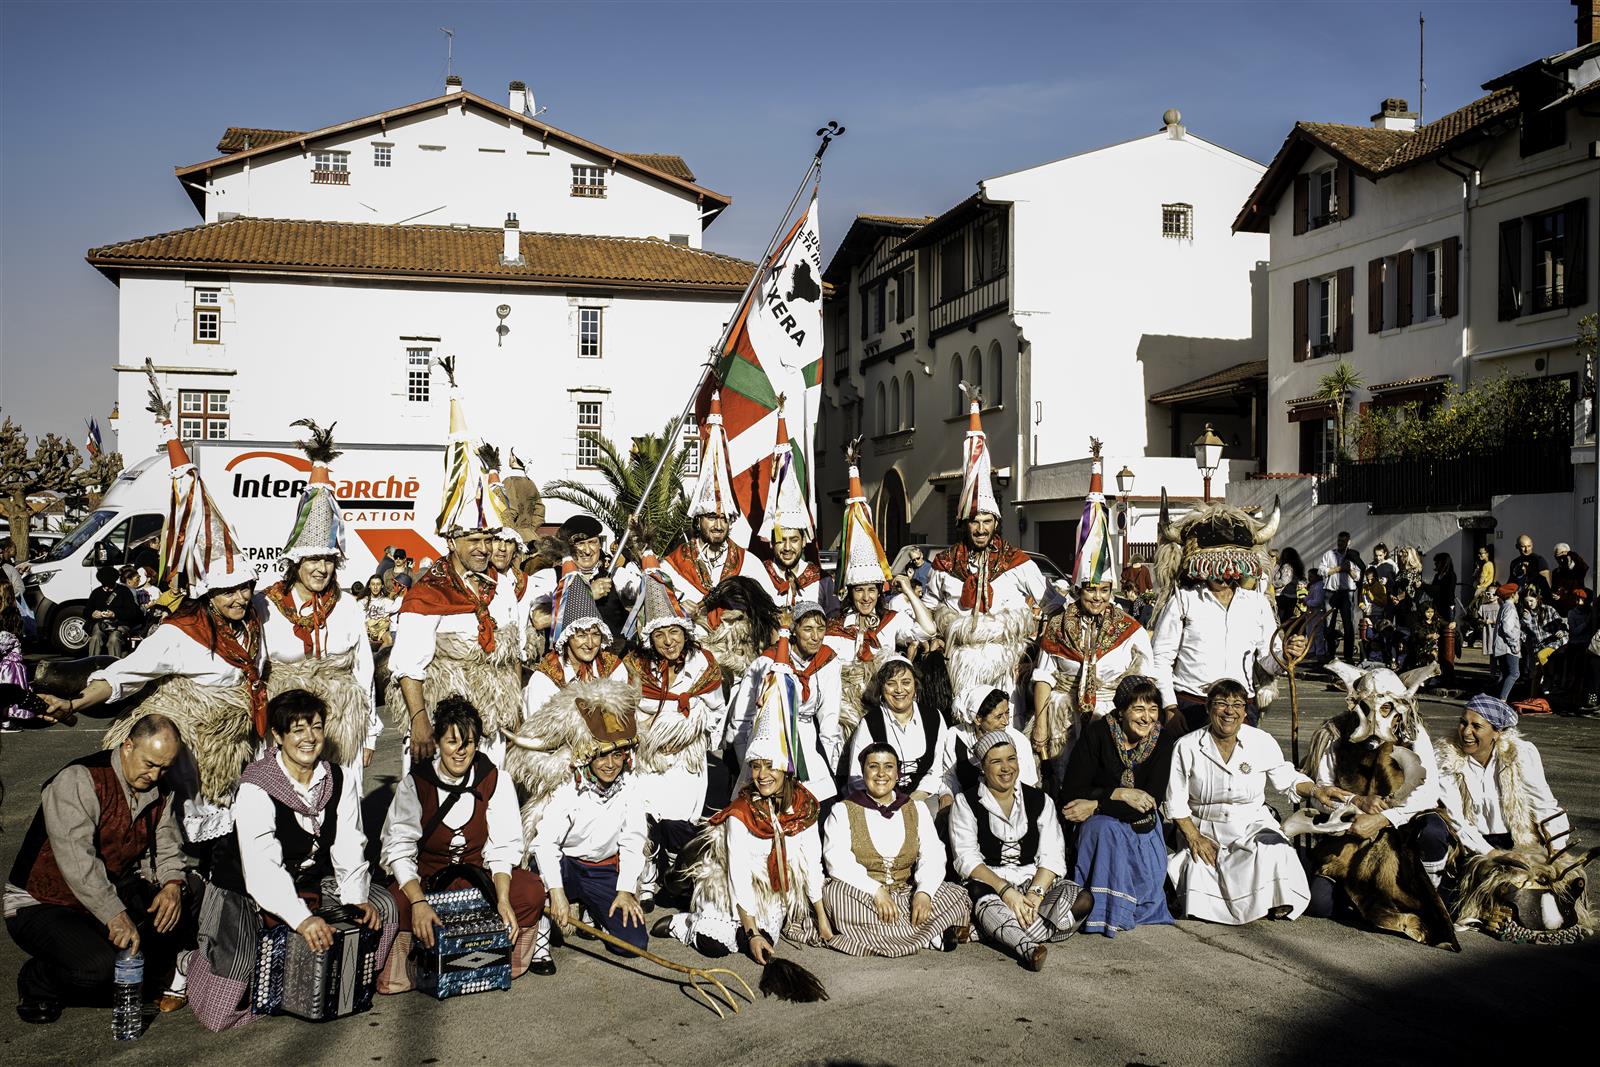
<point>388,494</point>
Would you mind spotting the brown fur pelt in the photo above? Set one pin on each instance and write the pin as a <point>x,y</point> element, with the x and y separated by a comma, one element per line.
<point>539,753</point>
<point>982,648</point>
<point>854,678</point>
<point>333,679</point>
<point>460,667</point>
<point>215,724</point>
<point>734,644</point>
<point>704,861</point>
<point>1492,885</point>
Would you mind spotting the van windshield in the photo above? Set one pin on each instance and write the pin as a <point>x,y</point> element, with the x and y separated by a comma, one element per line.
<point>79,537</point>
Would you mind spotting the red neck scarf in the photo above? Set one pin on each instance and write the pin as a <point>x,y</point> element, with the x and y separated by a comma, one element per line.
<point>756,814</point>
<point>444,592</point>
<point>215,634</point>
<point>311,628</point>
<point>823,657</point>
<point>978,570</point>
<point>685,559</point>
<point>869,642</point>
<point>655,681</point>
<point>788,583</point>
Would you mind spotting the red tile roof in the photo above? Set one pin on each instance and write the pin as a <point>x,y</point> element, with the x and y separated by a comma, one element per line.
<point>239,138</point>
<point>437,253</point>
<point>666,164</point>
<point>1237,378</point>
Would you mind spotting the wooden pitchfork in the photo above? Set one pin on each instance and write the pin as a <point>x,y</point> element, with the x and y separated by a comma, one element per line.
<point>697,975</point>
<point>1297,626</point>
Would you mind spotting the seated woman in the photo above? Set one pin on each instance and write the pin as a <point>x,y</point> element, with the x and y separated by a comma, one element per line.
<point>1008,846</point>
<point>1116,772</point>
<point>1492,783</point>
<point>980,710</point>
<point>1236,866</point>
<point>458,809</point>
<point>894,718</point>
<point>296,845</point>
<point>757,865</point>
<point>886,891</point>
<point>590,841</point>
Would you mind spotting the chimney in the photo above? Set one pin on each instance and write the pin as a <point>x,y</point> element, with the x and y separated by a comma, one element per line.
<point>511,250</point>
<point>1392,115</point>
<point>452,84</point>
<point>1172,122</point>
<point>1588,22</point>
<point>517,97</point>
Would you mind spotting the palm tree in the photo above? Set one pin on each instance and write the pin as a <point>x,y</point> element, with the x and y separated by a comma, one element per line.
<point>1336,386</point>
<point>666,512</point>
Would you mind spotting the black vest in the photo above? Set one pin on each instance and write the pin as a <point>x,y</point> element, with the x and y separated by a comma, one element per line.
<point>910,769</point>
<point>1033,802</point>
<point>306,856</point>
<point>967,773</point>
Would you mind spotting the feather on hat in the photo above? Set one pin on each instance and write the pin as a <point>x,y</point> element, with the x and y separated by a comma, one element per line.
<point>318,524</point>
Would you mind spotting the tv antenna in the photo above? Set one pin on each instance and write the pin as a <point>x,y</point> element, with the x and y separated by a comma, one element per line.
<point>449,51</point>
<point>1422,86</point>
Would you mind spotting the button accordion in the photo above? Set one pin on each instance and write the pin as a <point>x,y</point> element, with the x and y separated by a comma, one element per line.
<point>471,950</point>
<point>291,979</point>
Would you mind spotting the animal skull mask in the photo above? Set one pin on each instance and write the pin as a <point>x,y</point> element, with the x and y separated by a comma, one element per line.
<point>1384,703</point>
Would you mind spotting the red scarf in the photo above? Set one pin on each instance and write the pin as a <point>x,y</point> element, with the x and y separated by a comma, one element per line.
<point>686,561</point>
<point>869,637</point>
<point>978,570</point>
<point>823,657</point>
<point>811,575</point>
<point>218,636</point>
<point>757,818</point>
<point>310,629</point>
<point>553,666</point>
<point>656,684</point>
<point>444,592</point>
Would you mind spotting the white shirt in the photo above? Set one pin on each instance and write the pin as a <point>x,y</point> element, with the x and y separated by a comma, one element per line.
<point>1197,641</point>
<point>416,634</point>
<point>1205,786</point>
<point>269,883</point>
<point>402,830</point>
<point>1424,798</point>
<point>1487,814</point>
<point>909,743</point>
<point>168,651</point>
<point>888,836</point>
<point>1011,590</point>
<point>1010,830</point>
<point>346,630</point>
<point>1346,582</point>
<point>579,823</point>
<point>748,854</point>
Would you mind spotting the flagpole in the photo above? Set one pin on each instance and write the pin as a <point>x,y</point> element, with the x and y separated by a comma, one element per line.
<point>827,133</point>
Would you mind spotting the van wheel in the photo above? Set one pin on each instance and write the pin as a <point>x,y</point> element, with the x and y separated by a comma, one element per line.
<point>69,632</point>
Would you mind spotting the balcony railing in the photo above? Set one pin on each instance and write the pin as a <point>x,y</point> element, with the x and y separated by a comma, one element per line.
<point>596,192</point>
<point>330,177</point>
<point>1465,483</point>
<point>992,295</point>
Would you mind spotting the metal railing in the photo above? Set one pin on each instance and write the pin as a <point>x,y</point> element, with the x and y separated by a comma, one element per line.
<point>330,177</point>
<point>1467,482</point>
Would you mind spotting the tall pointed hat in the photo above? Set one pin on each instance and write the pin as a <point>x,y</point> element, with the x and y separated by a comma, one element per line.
<point>574,608</point>
<point>197,543</point>
<point>775,733</point>
<point>713,491</point>
<point>1093,563</point>
<point>862,559</point>
<point>787,509</point>
<point>500,501</point>
<point>318,524</point>
<point>977,487</point>
<point>467,505</point>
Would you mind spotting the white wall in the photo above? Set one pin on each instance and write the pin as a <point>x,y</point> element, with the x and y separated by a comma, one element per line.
<point>338,352</point>
<point>480,167</point>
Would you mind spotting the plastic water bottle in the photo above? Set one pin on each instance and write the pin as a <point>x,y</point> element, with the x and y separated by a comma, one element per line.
<point>127,997</point>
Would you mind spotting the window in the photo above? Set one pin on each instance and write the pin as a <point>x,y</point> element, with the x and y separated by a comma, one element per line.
<point>1549,232</point>
<point>1324,196</point>
<point>1317,445</point>
<point>588,181</point>
<point>841,327</point>
<point>958,399</point>
<point>691,444</point>
<point>988,250</point>
<point>952,268</point>
<point>330,168</point>
<point>589,333</point>
<point>208,316</point>
<point>1429,263</point>
<point>419,377</point>
<point>880,293</point>
<point>382,155</point>
<point>905,295</point>
<point>911,402</point>
<point>1323,315</point>
<point>202,414</point>
<point>1541,129</point>
<point>1544,261</point>
<point>588,433</point>
<point>882,422</point>
<point>975,372</point>
<point>1177,221</point>
<point>896,422</point>
<point>997,383</point>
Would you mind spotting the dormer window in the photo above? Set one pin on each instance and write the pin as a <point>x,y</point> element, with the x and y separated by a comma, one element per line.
<point>1324,197</point>
<point>588,181</point>
<point>330,168</point>
<point>207,316</point>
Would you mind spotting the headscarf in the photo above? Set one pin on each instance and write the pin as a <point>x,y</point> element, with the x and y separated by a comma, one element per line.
<point>990,740</point>
<point>1495,712</point>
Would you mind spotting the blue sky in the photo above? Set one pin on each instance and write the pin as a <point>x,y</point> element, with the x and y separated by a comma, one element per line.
<point>98,102</point>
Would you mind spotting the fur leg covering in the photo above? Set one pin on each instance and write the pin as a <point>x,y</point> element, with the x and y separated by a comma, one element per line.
<point>215,724</point>
<point>984,648</point>
<point>333,679</point>
<point>854,677</point>
<point>491,680</point>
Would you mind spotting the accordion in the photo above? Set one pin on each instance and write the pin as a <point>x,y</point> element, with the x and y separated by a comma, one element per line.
<point>291,979</point>
<point>471,951</point>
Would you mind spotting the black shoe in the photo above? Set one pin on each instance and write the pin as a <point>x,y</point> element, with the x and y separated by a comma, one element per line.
<point>542,968</point>
<point>663,927</point>
<point>39,1012</point>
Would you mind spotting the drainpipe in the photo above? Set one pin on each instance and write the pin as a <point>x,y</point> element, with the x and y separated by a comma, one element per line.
<point>1468,175</point>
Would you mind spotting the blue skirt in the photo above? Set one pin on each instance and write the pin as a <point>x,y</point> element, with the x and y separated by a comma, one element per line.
<point>1126,871</point>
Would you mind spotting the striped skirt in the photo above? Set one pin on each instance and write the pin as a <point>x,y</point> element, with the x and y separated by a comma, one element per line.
<point>858,931</point>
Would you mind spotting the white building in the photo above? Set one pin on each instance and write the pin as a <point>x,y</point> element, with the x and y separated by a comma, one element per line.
<point>333,266</point>
<point>1073,293</point>
<point>1429,256</point>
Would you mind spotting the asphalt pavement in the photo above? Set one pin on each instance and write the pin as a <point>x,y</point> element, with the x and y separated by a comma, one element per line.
<point>1308,992</point>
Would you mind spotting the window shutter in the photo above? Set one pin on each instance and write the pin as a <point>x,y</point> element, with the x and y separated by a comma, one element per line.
<point>1450,269</point>
<point>1577,245</point>
<point>1344,188</point>
<point>1510,269</point>
<point>1302,297</point>
<point>1344,333</point>
<point>1302,202</point>
<point>1375,296</point>
<point>866,312</point>
<point>1402,292</point>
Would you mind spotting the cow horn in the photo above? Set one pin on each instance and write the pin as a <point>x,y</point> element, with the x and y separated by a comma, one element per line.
<point>1269,529</point>
<point>1164,520</point>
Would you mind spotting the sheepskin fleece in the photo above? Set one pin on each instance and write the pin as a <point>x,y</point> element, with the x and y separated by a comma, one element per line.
<point>215,724</point>
<point>983,648</point>
<point>460,667</point>
<point>539,755</point>
<point>333,679</point>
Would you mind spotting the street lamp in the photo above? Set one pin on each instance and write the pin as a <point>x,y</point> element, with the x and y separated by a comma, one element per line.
<point>1125,490</point>
<point>1208,456</point>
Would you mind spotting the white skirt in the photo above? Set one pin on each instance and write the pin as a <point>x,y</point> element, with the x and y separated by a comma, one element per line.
<point>1257,870</point>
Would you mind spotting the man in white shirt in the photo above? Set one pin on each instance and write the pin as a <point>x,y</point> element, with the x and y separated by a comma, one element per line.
<point>1208,633</point>
<point>1341,578</point>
